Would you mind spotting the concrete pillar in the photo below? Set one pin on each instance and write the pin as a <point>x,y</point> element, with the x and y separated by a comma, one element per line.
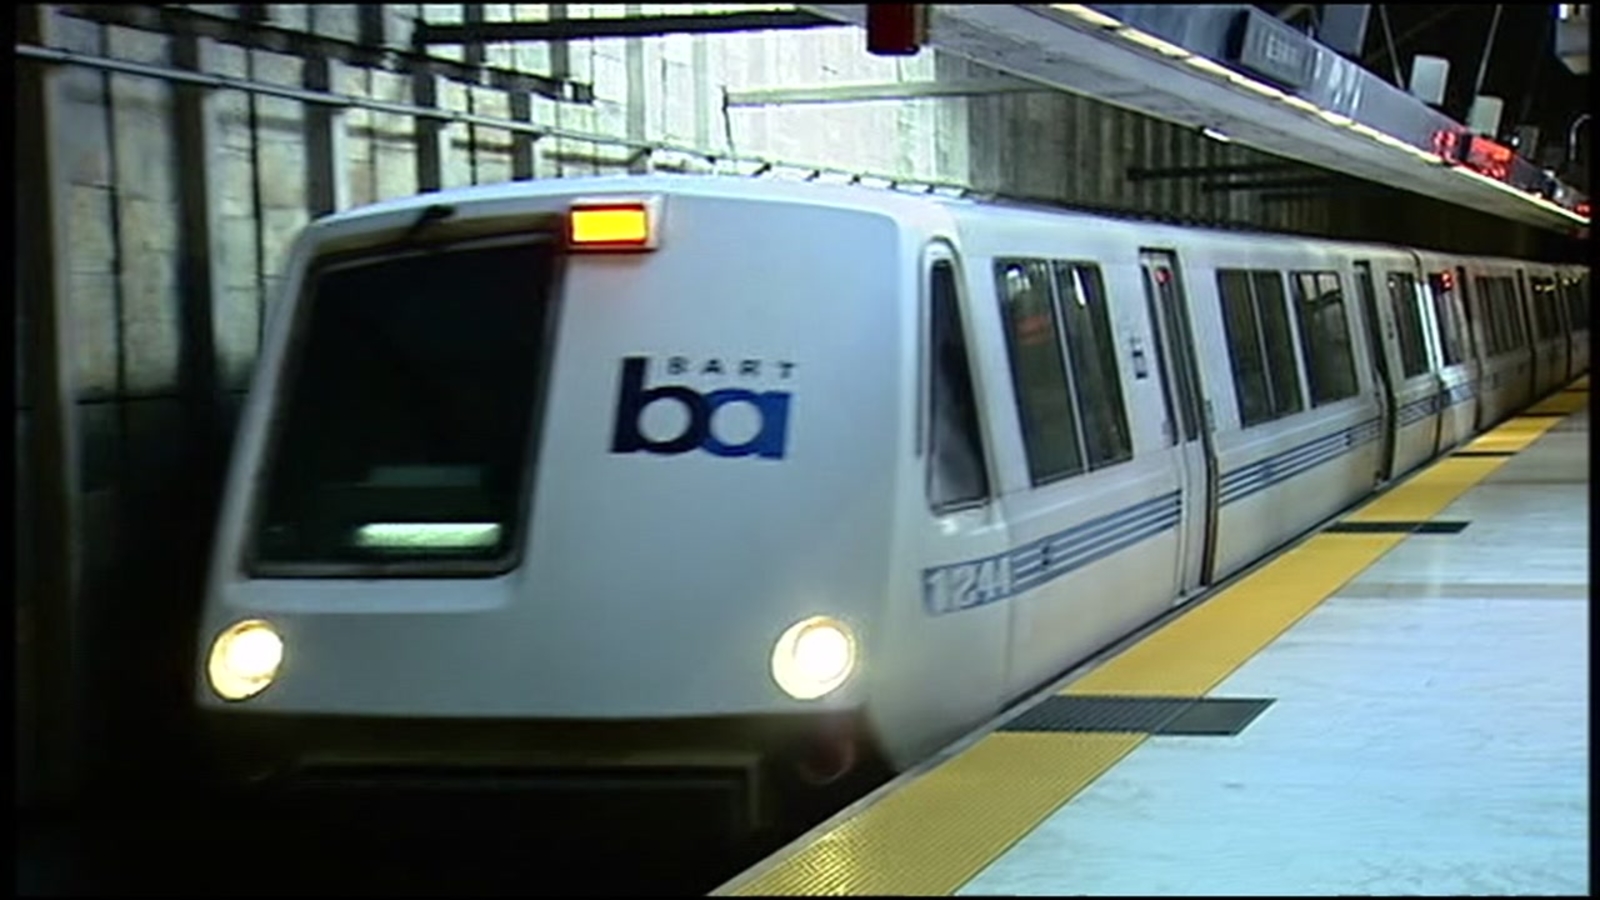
<point>327,142</point>
<point>51,763</point>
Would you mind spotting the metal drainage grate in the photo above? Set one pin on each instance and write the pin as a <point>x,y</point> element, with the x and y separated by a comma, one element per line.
<point>1484,453</point>
<point>1166,716</point>
<point>1396,528</point>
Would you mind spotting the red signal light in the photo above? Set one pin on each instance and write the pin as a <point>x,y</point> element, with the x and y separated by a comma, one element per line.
<point>896,29</point>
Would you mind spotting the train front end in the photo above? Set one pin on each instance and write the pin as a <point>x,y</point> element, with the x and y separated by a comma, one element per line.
<point>561,479</point>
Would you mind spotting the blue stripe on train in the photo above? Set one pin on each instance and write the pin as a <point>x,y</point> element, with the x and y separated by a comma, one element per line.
<point>991,579</point>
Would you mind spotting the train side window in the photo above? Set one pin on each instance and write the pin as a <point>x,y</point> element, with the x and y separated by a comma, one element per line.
<point>1408,319</point>
<point>958,474</point>
<point>1081,307</point>
<point>1325,337</point>
<point>1038,370</point>
<point>1260,345</point>
<point>1272,305</point>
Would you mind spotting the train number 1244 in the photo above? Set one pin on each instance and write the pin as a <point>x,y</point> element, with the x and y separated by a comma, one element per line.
<point>952,588</point>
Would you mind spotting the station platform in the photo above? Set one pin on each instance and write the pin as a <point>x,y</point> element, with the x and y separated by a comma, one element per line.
<point>1397,704</point>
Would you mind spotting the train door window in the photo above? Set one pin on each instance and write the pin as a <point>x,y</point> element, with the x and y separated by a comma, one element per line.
<point>1524,329</point>
<point>1543,295</point>
<point>1535,318</point>
<point>1324,337</point>
<point>1510,332</point>
<point>1494,330</point>
<point>959,474</point>
<point>1510,316</point>
<point>1408,321</point>
<point>1504,321</point>
<point>1247,350</point>
<point>1450,332</point>
<point>1552,314</point>
<point>1535,315</point>
<point>1538,312</point>
<point>1086,321</point>
<point>1519,330</point>
<point>1272,306</point>
<point>1038,370</point>
<point>1577,308</point>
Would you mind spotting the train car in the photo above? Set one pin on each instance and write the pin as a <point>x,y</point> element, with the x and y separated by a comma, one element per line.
<point>776,480</point>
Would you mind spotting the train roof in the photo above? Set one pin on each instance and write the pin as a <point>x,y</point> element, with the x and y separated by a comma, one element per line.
<point>853,197</point>
<point>968,211</point>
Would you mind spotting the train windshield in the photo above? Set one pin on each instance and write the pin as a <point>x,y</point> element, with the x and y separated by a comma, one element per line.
<point>403,426</point>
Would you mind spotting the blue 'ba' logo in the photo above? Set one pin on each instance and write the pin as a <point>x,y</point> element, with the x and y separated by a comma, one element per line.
<point>772,408</point>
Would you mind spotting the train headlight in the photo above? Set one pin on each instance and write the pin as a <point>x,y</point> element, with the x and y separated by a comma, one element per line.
<point>244,659</point>
<point>813,657</point>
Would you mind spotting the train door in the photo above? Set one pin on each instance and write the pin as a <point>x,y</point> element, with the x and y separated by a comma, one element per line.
<point>1532,318</point>
<point>1189,419</point>
<point>1553,327</point>
<point>963,536</point>
<point>1380,367</point>
<point>1558,308</point>
<point>1469,349</point>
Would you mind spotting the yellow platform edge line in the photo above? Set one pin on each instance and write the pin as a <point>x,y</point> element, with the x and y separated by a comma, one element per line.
<point>1197,651</point>
<point>942,830</point>
<point>935,834</point>
<point>1566,402</point>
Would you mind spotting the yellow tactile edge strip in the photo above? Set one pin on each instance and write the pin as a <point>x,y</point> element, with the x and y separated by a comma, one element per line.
<point>937,832</point>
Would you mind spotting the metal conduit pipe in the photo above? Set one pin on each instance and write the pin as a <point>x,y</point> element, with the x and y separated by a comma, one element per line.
<point>764,165</point>
<point>1572,138</point>
<point>325,98</point>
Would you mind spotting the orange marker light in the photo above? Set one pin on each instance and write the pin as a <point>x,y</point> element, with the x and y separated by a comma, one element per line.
<point>622,225</point>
